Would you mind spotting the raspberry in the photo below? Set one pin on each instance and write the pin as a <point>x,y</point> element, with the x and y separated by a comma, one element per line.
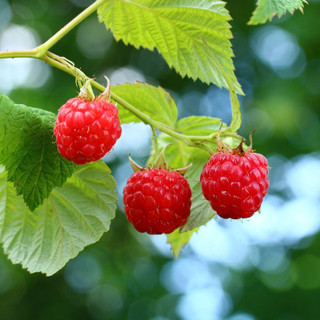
<point>157,201</point>
<point>235,184</point>
<point>86,130</point>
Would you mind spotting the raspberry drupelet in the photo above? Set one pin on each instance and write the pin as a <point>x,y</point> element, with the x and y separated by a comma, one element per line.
<point>86,130</point>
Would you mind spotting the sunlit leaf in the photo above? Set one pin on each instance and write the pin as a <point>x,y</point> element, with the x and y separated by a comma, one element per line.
<point>198,125</point>
<point>153,101</point>
<point>178,240</point>
<point>74,216</point>
<point>185,33</point>
<point>267,9</point>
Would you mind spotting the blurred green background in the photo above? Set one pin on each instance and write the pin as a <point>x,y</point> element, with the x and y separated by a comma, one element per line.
<point>267,267</point>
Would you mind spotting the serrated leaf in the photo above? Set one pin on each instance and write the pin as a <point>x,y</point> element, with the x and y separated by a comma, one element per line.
<point>178,240</point>
<point>185,33</point>
<point>153,101</point>
<point>267,9</point>
<point>29,153</point>
<point>74,216</point>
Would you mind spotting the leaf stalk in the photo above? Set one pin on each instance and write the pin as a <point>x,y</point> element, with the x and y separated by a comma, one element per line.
<point>42,53</point>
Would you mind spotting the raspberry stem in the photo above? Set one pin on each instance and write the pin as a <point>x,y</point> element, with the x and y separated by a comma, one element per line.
<point>42,49</point>
<point>155,140</point>
<point>67,66</point>
<point>41,52</point>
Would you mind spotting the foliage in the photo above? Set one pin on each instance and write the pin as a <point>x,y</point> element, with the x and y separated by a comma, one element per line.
<point>177,29</point>
<point>64,207</point>
<point>153,101</point>
<point>28,151</point>
<point>178,240</point>
<point>74,216</point>
<point>267,9</point>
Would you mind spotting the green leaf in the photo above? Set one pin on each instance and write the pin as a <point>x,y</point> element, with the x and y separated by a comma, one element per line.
<point>185,33</point>
<point>178,154</point>
<point>178,240</point>
<point>29,153</point>
<point>236,111</point>
<point>267,9</point>
<point>201,211</point>
<point>74,216</point>
<point>153,101</point>
<point>198,125</point>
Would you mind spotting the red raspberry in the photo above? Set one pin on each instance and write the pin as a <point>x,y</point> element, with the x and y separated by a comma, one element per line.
<point>235,184</point>
<point>157,201</point>
<point>86,130</point>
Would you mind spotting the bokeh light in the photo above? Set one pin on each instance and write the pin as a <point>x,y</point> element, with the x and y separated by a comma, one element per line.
<point>24,72</point>
<point>279,50</point>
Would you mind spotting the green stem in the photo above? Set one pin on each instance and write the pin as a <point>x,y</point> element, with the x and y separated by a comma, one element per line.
<point>67,66</point>
<point>63,64</point>
<point>148,120</point>
<point>155,141</point>
<point>42,53</point>
<point>42,49</point>
<point>19,54</point>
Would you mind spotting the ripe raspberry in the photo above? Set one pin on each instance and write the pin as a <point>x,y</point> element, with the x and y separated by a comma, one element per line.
<point>235,184</point>
<point>86,130</point>
<point>157,201</point>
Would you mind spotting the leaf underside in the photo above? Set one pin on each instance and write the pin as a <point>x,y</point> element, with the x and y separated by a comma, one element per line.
<point>178,240</point>
<point>267,9</point>
<point>192,36</point>
<point>74,216</point>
